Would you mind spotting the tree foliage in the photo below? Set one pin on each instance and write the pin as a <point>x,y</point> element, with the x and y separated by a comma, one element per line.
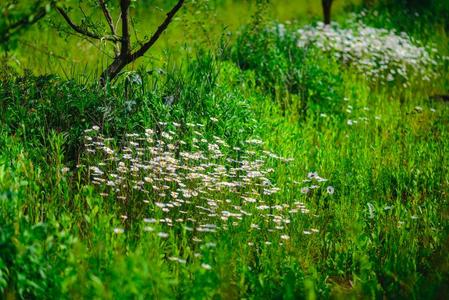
<point>18,15</point>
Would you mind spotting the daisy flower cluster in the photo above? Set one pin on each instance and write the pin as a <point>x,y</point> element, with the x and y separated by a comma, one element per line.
<point>200,186</point>
<point>382,55</point>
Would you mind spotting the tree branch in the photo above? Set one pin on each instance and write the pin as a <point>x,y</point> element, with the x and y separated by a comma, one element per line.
<point>158,32</point>
<point>84,31</point>
<point>107,15</point>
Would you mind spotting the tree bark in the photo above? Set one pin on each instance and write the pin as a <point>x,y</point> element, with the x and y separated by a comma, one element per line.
<point>113,70</point>
<point>327,5</point>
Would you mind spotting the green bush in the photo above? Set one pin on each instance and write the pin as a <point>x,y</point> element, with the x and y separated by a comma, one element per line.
<point>32,106</point>
<point>296,77</point>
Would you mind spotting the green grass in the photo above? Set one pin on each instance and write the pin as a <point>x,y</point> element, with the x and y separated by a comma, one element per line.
<point>383,234</point>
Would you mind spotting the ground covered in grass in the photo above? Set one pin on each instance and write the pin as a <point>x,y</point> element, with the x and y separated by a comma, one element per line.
<point>294,161</point>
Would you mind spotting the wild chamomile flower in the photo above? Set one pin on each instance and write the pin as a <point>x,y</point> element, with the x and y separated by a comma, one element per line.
<point>305,190</point>
<point>381,54</point>
<point>312,175</point>
<point>162,235</point>
<point>207,188</point>
<point>119,230</point>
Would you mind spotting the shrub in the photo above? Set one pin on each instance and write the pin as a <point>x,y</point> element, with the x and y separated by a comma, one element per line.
<point>283,69</point>
<point>33,106</point>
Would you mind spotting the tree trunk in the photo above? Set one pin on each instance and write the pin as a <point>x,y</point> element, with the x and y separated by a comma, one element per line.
<point>327,4</point>
<point>113,70</point>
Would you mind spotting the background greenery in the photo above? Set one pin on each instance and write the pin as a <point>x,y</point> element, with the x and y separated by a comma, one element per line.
<point>383,234</point>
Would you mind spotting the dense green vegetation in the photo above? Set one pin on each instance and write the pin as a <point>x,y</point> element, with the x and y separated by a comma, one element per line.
<point>315,180</point>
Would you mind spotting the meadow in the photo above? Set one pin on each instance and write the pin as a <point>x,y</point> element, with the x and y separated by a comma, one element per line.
<point>253,153</point>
